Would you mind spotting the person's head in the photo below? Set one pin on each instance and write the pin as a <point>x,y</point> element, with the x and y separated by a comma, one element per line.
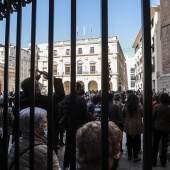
<point>164,98</point>
<point>117,96</point>
<point>26,86</point>
<point>99,98</point>
<point>40,121</point>
<point>89,142</point>
<point>110,97</point>
<point>156,97</point>
<point>80,88</point>
<point>94,99</point>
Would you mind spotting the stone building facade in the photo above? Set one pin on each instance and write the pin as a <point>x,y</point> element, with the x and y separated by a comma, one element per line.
<point>88,63</point>
<point>24,70</point>
<point>155,52</point>
<point>165,45</point>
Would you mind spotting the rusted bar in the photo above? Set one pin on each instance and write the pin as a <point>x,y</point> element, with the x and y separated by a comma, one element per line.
<point>50,83</point>
<point>6,82</point>
<point>17,83</point>
<point>33,44</point>
<point>147,95</point>
<point>104,68</point>
<point>73,81</point>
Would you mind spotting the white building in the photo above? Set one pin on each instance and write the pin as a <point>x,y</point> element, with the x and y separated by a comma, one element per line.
<point>155,52</point>
<point>130,62</point>
<point>25,66</point>
<point>88,63</point>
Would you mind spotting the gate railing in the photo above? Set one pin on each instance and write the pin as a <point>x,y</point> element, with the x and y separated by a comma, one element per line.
<point>9,6</point>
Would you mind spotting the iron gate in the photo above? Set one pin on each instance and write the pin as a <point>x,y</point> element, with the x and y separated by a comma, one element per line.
<point>6,9</point>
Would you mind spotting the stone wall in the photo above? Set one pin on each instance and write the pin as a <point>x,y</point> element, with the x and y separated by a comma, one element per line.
<point>165,83</point>
<point>165,35</point>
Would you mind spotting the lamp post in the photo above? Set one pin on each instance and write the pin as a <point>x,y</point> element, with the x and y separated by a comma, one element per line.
<point>10,4</point>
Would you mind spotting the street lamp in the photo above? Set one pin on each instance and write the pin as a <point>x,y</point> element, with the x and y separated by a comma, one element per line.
<point>12,5</point>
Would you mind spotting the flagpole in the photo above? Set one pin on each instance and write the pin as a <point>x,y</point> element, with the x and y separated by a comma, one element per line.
<point>84,30</point>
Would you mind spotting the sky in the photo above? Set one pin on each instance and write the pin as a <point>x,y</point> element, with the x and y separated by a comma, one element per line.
<point>124,21</point>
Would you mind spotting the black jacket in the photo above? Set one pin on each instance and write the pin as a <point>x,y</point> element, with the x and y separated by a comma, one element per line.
<point>41,100</point>
<point>81,115</point>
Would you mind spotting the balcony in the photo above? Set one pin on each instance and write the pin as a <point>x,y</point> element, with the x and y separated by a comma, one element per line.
<point>84,73</point>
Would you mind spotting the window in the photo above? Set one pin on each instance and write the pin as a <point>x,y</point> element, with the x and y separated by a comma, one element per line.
<point>132,83</point>
<point>132,70</point>
<point>132,76</point>
<point>45,69</point>
<point>137,47</point>
<point>67,51</point>
<point>67,69</point>
<point>91,49</point>
<point>92,68</point>
<point>79,69</point>
<point>55,69</point>
<point>79,50</point>
<point>55,52</point>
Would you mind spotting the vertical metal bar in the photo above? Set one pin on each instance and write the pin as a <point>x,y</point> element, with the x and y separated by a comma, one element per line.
<point>73,82</point>
<point>17,83</point>
<point>6,83</point>
<point>104,65</point>
<point>33,44</point>
<point>50,83</point>
<point>146,47</point>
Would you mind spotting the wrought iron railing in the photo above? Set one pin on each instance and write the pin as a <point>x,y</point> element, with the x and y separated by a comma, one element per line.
<point>7,7</point>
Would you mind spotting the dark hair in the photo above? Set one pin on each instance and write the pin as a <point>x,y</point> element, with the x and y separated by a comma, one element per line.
<point>78,85</point>
<point>26,85</point>
<point>156,97</point>
<point>164,98</point>
<point>99,98</point>
<point>94,100</point>
<point>110,97</point>
<point>132,104</point>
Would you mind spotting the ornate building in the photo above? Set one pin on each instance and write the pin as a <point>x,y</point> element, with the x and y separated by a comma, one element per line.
<point>155,52</point>
<point>25,66</point>
<point>88,63</point>
<point>165,45</point>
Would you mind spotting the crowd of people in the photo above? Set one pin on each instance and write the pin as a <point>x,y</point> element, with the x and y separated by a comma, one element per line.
<point>125,115</point>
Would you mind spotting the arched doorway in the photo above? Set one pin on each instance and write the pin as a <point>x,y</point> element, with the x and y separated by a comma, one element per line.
<point>67,87</point>
<point>92,85</point>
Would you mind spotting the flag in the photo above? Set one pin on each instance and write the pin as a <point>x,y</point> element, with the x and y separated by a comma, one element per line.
<point>77,30</point>
<point>84,31</point>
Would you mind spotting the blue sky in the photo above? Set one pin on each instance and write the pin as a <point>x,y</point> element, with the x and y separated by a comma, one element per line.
<point>124,21</point>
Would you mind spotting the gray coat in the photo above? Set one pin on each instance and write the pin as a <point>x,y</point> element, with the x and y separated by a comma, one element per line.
<point>40,155</point>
